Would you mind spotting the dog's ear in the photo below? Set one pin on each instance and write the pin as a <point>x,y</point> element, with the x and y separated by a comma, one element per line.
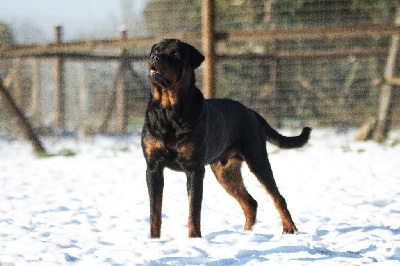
<point>196,58</point>
<point>151,50</point>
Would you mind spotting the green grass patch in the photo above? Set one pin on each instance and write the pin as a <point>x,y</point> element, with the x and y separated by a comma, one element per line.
<point>63,152</point>
<point>124,149</point>
<point>346,148</point>
<point>395,143</point>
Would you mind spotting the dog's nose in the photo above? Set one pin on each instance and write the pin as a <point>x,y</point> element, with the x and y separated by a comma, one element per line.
<point>154,58</point>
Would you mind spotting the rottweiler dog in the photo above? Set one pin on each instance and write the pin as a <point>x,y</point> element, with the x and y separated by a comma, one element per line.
<point>184,132</point>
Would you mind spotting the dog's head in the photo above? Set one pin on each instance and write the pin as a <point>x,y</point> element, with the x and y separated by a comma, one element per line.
<point>172,64</point>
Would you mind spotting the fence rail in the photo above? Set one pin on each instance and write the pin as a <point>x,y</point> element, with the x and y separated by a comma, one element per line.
<point>81,49</point>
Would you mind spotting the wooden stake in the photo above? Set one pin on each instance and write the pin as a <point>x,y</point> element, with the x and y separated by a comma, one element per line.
<point>386,100</point>
<point>10,77</point>
<point>22,121</point>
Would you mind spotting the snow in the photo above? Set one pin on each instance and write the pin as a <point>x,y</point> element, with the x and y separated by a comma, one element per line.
<point>92,208</point>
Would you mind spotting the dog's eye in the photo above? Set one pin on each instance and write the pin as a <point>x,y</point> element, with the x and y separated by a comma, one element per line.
<point>175,55</point>
<point>156,50</point>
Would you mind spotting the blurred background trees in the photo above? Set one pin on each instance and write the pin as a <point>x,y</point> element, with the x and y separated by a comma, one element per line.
<point>6,34</point>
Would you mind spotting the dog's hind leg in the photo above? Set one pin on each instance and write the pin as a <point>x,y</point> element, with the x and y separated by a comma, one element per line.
<point>259,165</point>
<point>230,177</point>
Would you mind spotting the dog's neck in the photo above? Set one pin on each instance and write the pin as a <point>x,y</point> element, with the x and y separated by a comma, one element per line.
<point>178,94</point>
<point>181,109</point>
<point>166,98</point>
<point>175,97</point>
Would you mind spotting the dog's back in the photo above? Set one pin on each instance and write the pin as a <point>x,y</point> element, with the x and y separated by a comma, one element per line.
<point>242,125</point>
<point>225,125</point>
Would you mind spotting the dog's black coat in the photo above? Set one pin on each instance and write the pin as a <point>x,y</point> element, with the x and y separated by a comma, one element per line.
<point>184,132</point>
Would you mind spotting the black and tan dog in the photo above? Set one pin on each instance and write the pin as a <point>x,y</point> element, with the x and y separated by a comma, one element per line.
<point>184,132</point>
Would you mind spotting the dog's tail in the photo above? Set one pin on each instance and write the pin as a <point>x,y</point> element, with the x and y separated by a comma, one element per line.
<point>282,141</point>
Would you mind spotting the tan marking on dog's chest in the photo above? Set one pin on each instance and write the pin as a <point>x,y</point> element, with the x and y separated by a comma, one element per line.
<point>167,98</point>
<point>151,145</point>
<point>186,150</point>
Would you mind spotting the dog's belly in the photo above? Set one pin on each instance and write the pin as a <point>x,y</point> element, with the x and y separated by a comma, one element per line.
<point>176,160</point>
<point>174,166</point>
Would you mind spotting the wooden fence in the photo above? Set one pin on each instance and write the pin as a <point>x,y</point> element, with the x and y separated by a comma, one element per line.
<point>99,50</point>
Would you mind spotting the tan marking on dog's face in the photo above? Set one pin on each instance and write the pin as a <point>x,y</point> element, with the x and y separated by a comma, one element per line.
<point>151,145</point>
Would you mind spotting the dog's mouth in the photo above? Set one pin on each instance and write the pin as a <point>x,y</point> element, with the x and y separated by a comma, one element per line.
<point>153,69</point>
<point>160,78</point>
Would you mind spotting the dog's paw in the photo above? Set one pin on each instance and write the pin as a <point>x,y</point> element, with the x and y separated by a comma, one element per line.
<point>290,230</point>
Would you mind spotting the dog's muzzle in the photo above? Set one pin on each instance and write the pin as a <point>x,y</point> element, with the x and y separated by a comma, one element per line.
<point>155,72</point>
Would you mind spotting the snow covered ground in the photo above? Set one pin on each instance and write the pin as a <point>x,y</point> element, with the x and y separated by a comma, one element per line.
<point>92,208</point>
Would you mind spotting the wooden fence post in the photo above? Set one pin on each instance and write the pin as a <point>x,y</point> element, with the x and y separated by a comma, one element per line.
<point>82,97</point>
<point>208,41</point>
<point>386,100</point>
<point>17,83</point>
<point>121,88</point>
<point>274,84</point>
<point>59,92</point>
<point>22,121</point>
<point>35,89</point>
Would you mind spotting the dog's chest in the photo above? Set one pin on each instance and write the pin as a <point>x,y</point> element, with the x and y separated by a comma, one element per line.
<point>169,153</point>
<point>171,138</point>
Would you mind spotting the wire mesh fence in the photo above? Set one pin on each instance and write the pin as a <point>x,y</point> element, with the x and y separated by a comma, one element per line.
<point>300,86</point>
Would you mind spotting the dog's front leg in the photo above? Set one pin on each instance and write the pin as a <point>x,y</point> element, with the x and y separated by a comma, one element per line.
<point>155,186</point>
<point>195,192</point>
